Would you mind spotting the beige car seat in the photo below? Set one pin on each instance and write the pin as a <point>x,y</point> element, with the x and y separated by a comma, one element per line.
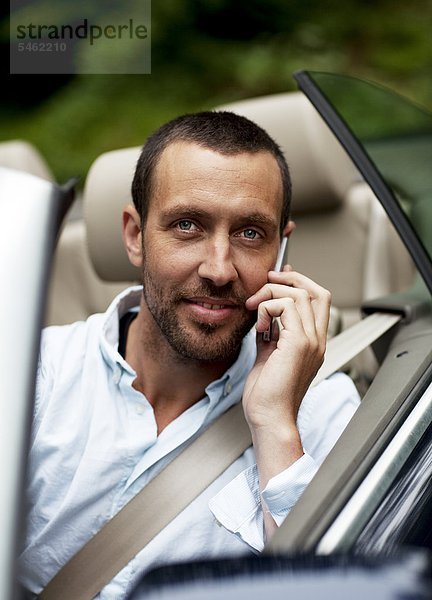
<point>23,156</point>
<point>343,238</point>
<point>76,291</point>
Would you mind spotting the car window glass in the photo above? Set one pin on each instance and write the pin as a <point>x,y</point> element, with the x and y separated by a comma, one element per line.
<point>397,136</point>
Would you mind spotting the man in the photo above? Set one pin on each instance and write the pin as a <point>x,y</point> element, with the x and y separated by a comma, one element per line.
<point>119,395</point>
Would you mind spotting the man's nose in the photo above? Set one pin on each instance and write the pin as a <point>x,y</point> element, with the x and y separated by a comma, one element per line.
<point>217,264</point>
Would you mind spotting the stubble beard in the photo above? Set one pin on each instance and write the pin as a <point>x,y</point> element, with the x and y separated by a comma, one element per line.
<point>200,342</point>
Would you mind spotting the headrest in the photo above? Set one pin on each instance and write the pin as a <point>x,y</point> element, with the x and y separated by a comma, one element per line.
<point>320,170</point>
<point>107,190</point>
<point>23,156</point>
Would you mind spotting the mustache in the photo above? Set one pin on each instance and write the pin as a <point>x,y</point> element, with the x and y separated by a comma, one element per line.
<point>226,292</point>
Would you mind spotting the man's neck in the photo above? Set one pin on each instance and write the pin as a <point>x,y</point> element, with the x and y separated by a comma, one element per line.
<point>171,383</point>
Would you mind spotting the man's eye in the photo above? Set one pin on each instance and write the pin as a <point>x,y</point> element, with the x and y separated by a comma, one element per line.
<point>251,234</point>
<point>186,225</point>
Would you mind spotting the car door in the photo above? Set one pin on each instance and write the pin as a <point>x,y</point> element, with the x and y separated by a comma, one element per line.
<point>390,141</point>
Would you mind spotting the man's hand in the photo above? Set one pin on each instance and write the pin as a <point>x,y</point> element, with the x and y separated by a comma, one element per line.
<point>285,366</point>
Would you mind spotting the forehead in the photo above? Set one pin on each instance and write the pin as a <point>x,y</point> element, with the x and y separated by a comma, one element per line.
<point>190,173</point>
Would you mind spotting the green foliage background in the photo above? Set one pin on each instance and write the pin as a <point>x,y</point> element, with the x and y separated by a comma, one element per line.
<point>208,52</point>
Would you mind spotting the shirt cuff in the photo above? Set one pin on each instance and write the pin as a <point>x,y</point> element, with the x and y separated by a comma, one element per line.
<point>283,490</point>
<point>238,506</point>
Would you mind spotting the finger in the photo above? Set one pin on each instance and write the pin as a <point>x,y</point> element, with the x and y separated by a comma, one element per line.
<point>269,310</point>
<point>301,299</point>
<point>295,285</point>
<point>303,304</point>
<point>296,280</point>
<point>294,315</point>
<point>273,291</point>
<point>285,278</point>
<point>269,292</point>
<point>320,297</point>
<point>321,310</point>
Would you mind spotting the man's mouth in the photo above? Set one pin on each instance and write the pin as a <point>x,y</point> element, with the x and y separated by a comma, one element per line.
<point>212,306</point>
<point>212,310</point>
<point>212,302</point>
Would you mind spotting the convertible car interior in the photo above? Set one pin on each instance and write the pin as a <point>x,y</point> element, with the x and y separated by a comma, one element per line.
<point>343,239</point>
<point>346,242</point>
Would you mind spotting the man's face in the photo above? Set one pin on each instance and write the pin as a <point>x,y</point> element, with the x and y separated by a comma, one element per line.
<point>210,238</point>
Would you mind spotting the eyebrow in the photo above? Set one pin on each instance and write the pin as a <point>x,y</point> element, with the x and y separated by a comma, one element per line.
<point>260,219</point>
<point>182,210</point>
<point>197,213</point>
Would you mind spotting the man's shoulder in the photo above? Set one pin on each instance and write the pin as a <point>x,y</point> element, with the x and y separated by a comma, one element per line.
<point>58,340</point>
<point>73,357</point>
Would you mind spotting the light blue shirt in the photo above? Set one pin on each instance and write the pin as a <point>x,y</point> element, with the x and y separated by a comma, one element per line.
<point>95,445</point>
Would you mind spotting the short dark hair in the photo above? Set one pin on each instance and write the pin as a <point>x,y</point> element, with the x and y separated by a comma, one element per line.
<point>222,131</point>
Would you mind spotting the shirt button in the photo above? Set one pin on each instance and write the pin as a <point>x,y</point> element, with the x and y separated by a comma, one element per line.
<point>117,374</point>
<point>227,389</point>
<point>139,410</point>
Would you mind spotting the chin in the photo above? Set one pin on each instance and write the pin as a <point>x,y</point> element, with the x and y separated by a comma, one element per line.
<point>208,344</point>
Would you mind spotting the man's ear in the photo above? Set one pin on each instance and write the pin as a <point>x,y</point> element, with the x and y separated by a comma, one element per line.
<point>132,235</point>
<point>289,228</point>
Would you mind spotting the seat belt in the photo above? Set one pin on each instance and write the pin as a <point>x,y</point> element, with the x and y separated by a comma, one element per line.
<point>183,480</point>
<point>349,343</point>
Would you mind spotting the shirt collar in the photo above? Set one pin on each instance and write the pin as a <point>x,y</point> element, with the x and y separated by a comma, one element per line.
<point>127,300</point>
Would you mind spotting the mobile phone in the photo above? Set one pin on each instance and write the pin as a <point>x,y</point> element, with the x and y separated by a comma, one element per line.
<point>266,336</point>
